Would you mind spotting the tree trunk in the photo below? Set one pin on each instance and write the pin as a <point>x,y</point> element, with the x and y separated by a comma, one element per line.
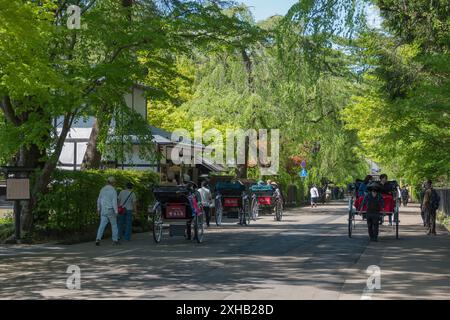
<point>44,178</point>
<point>92,158</point>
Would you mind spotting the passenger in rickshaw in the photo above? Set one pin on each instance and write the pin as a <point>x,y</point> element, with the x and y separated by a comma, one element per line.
<point>277,190</point>
<point>171,180</point>
<point>362,190</point>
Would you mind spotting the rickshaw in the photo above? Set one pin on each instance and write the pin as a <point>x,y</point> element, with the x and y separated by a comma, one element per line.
<point>266,197</point>
<point>179,207</point>
<point>391,207</point>
<point>231,197</point>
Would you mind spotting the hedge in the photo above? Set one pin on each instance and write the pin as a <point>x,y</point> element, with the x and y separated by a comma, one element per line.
<point>71,203</point>
<point>6,227</point>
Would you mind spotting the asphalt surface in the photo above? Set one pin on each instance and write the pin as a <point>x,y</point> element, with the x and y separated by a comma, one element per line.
<point>308,255</point>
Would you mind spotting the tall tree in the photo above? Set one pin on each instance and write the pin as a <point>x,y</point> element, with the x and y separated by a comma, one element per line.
<point>406,99</point>
<point>48,71</point>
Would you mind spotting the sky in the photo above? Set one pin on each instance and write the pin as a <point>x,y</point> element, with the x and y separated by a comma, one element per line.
<point>263,9</point>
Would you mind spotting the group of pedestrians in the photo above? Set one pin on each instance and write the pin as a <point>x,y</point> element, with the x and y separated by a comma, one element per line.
<point>116,210</point>
<point>377,198</point>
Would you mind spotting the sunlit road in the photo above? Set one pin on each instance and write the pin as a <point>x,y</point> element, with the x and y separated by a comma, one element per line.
<point>306,256</point>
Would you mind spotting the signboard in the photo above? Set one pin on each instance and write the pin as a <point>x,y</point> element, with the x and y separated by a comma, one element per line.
<point>17,189</point>
<point>231,202</point>
<point>303,173</point>
<point>175,211</point>
<point>265,201</point>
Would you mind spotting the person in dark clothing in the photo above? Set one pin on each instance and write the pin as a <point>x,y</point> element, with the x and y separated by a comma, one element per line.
<point>430,204</point>
<point>375,204</point>
<point>405,196</point>
<point>422,209</point>
<point>385,186</point>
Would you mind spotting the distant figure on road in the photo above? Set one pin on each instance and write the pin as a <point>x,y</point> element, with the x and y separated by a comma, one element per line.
<point>375,205</point>
<point>422,209</point>
<point>405,196</point>
<point>314,196</point>
<point>206,200</point>
<point>108,210</point>
<point>127,199</point>
<point>399,196</point>
<point>431,201</point>
<point>328,194</point>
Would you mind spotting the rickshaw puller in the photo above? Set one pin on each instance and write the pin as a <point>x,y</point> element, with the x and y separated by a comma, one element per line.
<point>375,204</point>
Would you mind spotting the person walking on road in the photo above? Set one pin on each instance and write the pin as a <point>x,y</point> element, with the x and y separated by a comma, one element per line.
<point>430,205</point>
<point>206,200</point>
<point>405,196</point>
<point>127,200</point>
<point>422,209</point>
<point>314,196</point>
<point>108,210</point>
<point>375,205</point>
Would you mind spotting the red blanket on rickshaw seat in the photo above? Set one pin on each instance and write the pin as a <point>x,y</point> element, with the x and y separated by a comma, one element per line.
<point>358,202</point>
<point>389,203</point>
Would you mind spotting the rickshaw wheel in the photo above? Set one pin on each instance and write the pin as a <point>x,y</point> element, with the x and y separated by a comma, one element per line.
<point>247,215</point>
<point>198,228</point>
<point>278,211</point>
<point>350,224</point>
<point>218,213</point>
<point>396,230</point>
<point>157,224</point>
<point>396,223</point>
<point>254,208</point>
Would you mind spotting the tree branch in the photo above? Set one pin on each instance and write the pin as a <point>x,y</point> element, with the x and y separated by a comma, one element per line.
<point>8,110</point>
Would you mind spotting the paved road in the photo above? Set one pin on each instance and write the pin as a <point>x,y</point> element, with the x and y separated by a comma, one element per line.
<point>306,256</point>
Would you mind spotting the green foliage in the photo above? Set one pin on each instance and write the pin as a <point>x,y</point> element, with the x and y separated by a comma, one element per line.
<point>6,226</point>
<point>71,204</point>
<point>275,83</point>
<point>423,22</point>
<point>443,219</point>
<point>402,112</point>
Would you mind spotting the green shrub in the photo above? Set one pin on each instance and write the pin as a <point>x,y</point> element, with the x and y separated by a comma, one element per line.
<point>6,227</point>
<point>71,203</point>
<point>443,219</point>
